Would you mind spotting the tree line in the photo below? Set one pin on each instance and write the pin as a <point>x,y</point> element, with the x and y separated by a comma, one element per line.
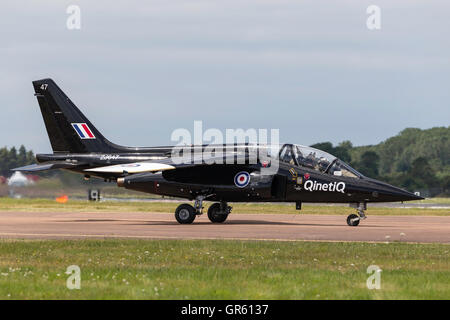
<point>13,158</point>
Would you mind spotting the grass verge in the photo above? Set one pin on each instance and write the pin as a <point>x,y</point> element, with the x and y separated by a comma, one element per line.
<point>210,269</point>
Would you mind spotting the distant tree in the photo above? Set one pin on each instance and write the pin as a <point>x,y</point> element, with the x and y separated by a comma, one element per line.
<point>368,165</point>
<point>22,155</point>
<point>397,153</point>
<point>324,146</point>
<point>346,144</point>
<point>422,171</point>
<point>419,176</point>
<point>341,151</point>
<point>446,185</point>
<point>30,157</point>
<point>3,160</point>
<point>10,159</point>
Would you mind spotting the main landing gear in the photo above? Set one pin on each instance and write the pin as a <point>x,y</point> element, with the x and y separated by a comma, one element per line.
<point>217,213</point>
<point>354,219</point>
<point>185,213</point>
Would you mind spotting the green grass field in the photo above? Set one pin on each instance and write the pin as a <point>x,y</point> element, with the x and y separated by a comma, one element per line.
<point>200,269</point>
<point>8,204</point>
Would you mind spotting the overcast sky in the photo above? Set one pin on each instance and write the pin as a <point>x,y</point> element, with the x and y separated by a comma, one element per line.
<point>141,69</point>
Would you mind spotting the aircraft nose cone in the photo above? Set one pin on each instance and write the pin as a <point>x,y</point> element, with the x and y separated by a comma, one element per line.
<point>404,195</point>
<point>388,192</point>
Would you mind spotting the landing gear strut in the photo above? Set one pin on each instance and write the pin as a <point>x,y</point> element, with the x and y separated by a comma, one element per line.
<point>198,205</point>
<point>185,213</point>
<point>354,219</point>
<point>218,212</point>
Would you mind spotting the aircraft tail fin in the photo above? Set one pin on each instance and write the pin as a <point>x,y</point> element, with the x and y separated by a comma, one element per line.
<point>68,129</point>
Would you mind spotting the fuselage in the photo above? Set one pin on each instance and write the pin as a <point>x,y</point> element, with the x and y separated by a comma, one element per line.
<point>292,182</point>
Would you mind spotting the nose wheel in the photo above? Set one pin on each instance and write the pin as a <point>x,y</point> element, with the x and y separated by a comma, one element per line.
<point>354,219</point>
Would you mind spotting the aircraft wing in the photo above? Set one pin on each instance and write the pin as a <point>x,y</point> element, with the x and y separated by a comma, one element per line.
<point>47,166</point>
<point>168,164</point>
<point>141,167</point>
<point>135,167</point>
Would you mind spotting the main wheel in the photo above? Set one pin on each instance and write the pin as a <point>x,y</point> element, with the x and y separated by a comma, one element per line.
<point>215,215</point>
<point>353,220</point>
<point>185,213</point>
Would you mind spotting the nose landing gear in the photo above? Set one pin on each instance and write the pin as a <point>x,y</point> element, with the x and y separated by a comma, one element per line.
<point>354,219</point>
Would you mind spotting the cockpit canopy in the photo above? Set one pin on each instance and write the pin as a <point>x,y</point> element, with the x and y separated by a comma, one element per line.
<point>316,159</point>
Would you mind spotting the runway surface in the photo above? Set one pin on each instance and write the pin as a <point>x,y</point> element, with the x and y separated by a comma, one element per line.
<point>288,227</point>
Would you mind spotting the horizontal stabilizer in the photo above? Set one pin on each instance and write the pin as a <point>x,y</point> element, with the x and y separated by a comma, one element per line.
<point>46,166</point>
<point>136,167</point>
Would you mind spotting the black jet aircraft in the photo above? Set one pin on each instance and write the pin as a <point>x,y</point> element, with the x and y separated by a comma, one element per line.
<point>303,174</point>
